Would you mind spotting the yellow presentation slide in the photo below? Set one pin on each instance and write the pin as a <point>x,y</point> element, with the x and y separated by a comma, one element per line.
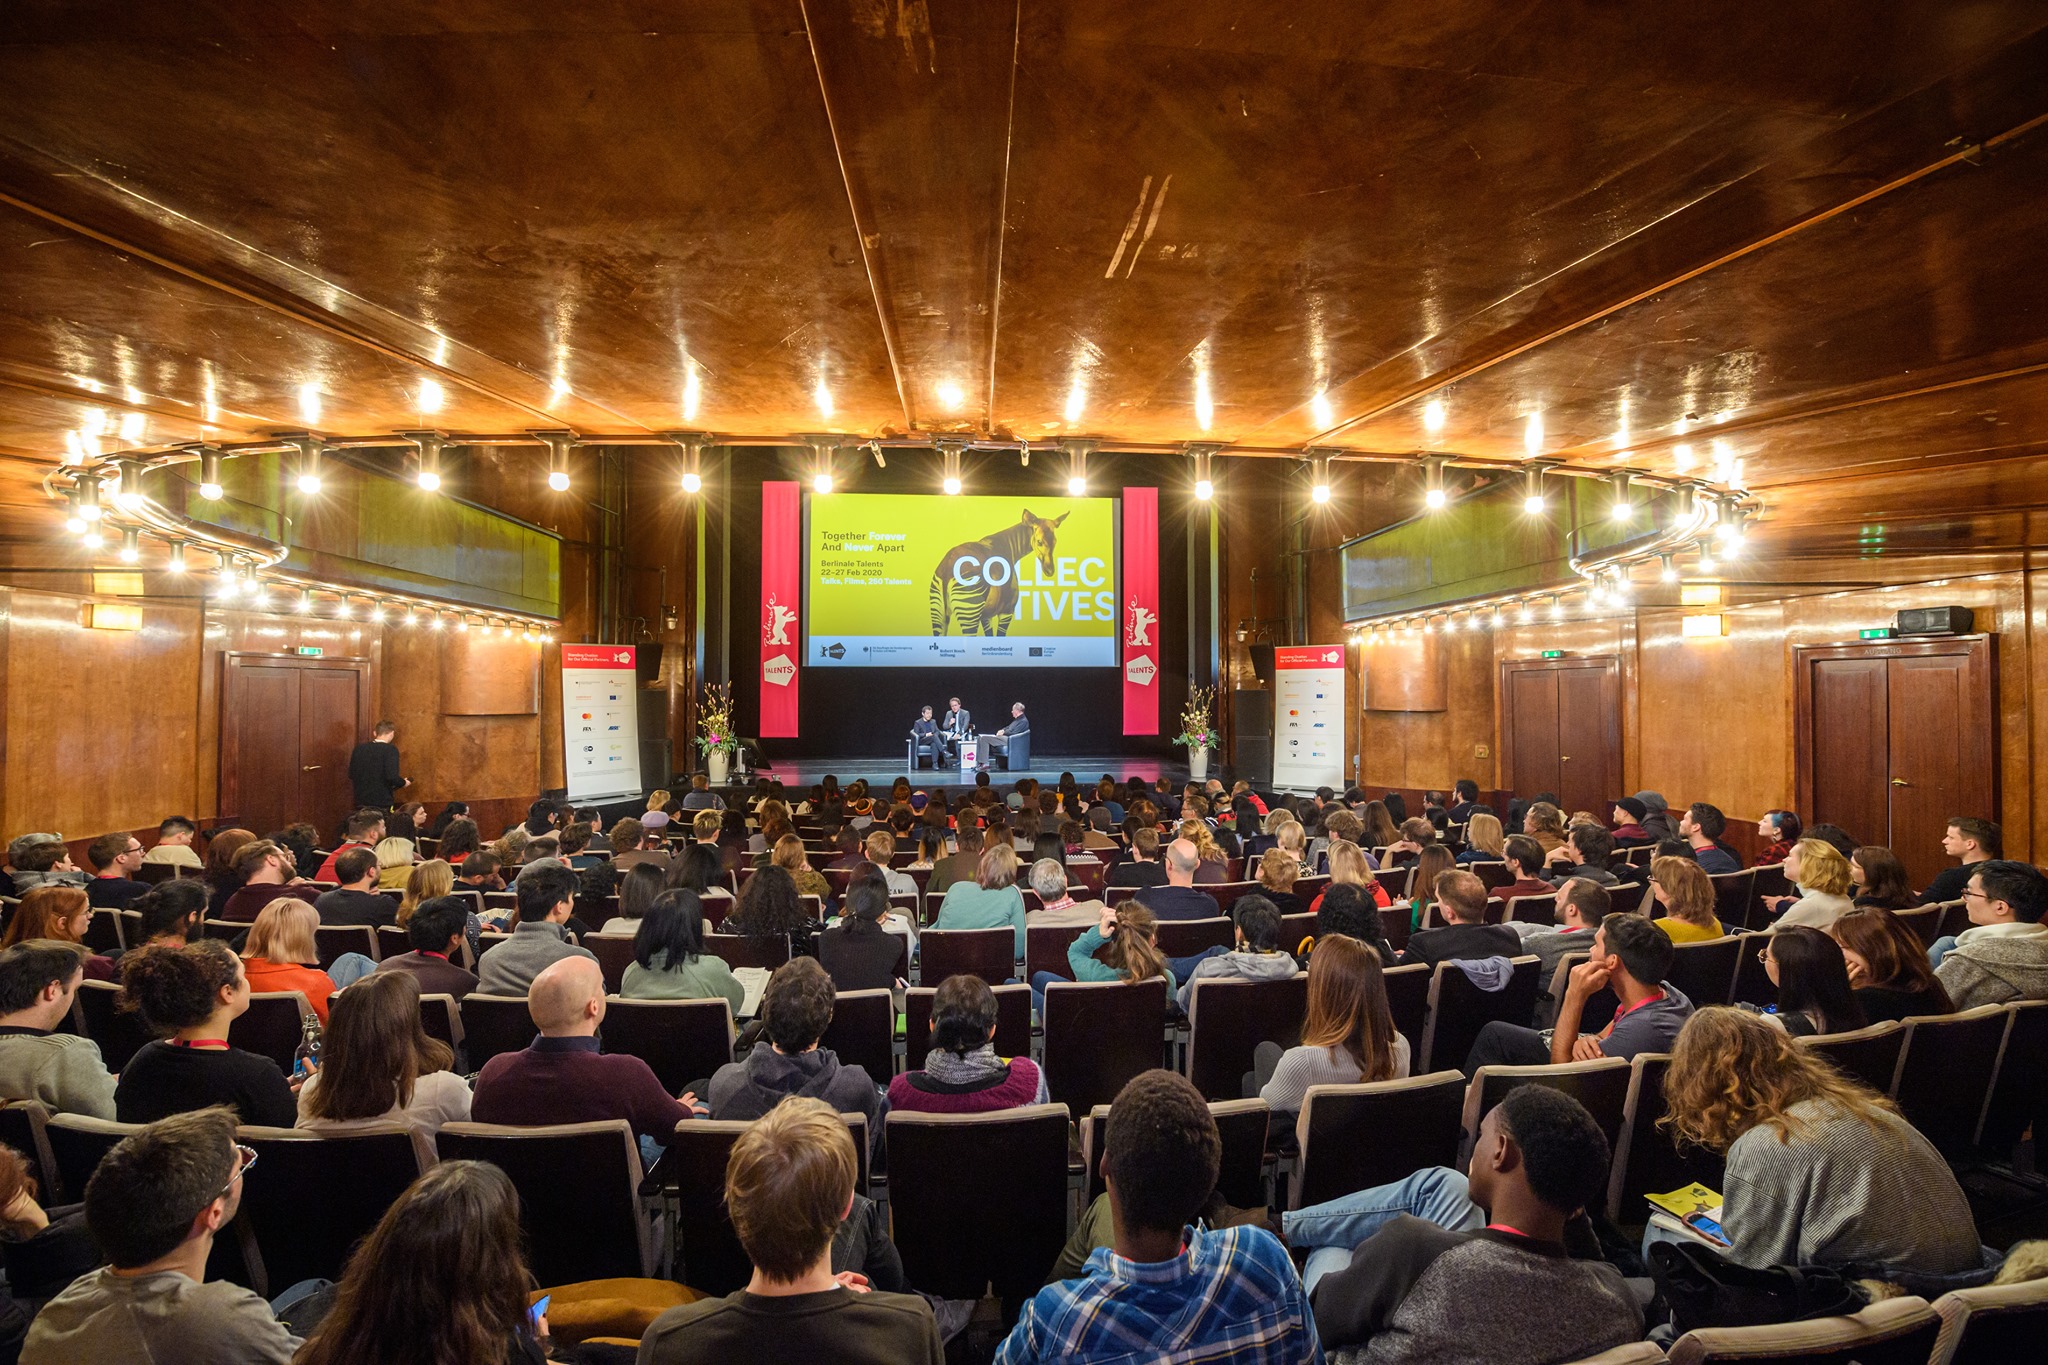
<point>912,581</point>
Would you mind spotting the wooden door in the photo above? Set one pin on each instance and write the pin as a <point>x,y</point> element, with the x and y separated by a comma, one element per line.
<point>287,726</point>
<point>1894,740</point>
<point>1561,730</point>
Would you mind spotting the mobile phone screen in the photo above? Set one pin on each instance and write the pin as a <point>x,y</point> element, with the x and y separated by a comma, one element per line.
<point>1706,1227</point>
<point>538,1311</point>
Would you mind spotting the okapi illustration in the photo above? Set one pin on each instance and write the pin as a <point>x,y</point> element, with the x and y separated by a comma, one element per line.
<point>979,606</point>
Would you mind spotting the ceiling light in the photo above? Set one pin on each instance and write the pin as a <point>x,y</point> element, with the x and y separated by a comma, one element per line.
<point>1319,480</point>
<point>692,481</point>
<point>559,443</point>
<point>175,563</point>
<point>1623,509</point>
<point>309,465</point>
<point>1556,607</point>
<point>822,482</point>
<point>432,395</point>
<point>133,423</point>
<point>376,611</point>
<point>951,396</point>
<point>1433,482</point>
<point>411,617</point>
<point>462,623</point>
<point>949,466</point>
<point>305,602</point>
<point>1707,564</point>
<point>92,538</point>
<point>558,480</point>
<point>1077,467</point>
<point>429,444</point>
<point>131,546</point>
<point>1532,490</point>
<point>1669,572</point>
<point>129,494</point>
<point>1433,416</point>
<point>74,510</point>
<point>1523,614</point>
<point>88,490</point>
<point>1205,477</point>
<point>209,474</point>
<point>436,623</point>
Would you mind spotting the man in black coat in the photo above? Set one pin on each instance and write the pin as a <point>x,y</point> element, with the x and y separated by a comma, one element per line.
<point>373,768</point>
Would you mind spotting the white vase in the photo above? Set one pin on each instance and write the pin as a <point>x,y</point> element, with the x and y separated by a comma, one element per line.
<point>718,763</point>
<point>1198,765</point>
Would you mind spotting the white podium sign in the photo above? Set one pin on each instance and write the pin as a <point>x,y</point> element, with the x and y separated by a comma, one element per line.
<point>970,754</point>
<point>1308,717</point>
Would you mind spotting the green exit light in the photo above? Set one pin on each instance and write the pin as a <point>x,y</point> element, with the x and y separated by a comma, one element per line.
<point>1876,633</point>
<point>307,651</point>
<point>1553,654</point>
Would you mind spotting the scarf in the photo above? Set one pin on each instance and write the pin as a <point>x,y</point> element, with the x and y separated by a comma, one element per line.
<point>977,1067</point>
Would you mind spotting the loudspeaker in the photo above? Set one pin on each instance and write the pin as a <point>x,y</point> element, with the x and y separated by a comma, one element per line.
<point>1251,734</point>
<point>1262,664</point>
<point>1936,621</point>
<point>647,662</point>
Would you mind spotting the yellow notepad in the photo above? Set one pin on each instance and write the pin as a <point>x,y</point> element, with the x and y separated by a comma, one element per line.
<point>1694,1198</point>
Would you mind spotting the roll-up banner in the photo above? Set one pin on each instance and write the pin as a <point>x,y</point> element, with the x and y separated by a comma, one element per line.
<point>782,640</point>
<point>600,722</point>
<point>1308,717</point>
<point>1141,610</point>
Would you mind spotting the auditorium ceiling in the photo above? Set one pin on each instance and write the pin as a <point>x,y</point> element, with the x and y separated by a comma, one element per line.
<point>1811,236</point>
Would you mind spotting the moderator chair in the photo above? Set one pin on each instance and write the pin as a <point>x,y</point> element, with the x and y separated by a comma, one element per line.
<point>1098,1035</point>
<point>310,1199</point>
<point>1013,1024</point>
<point>916,751</point>
<point>1229,1018</point>
<point>1600,1085</point>
<point>1015,751</point>
<point>1946,1070</point>
<point>979,1201</point>
<point>492,1024</point>
<point>863,1032</point>
<point>1458,1010</point>
<point>682,1041</point>
<point>1646,1160</point>
<point>120,1033</point>
<point>1992,1325</point>
<point>1705,972</point>
<point>1354,1137</point>
<point>579,1194</point>
<point>1240,1179</point>
<point>1894,1332</point>
<point>990,954</point>
<point>273,1025</point>
<point>1869,1054</point>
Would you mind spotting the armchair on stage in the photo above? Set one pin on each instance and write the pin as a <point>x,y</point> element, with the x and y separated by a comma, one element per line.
<point>1013,750</point>
<point>920,748</point>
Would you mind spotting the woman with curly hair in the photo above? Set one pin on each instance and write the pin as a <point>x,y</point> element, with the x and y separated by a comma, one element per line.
<point>1821,1170</point>
<point>769,904</point>
<point>1214,867</point>
<point>189,996</point>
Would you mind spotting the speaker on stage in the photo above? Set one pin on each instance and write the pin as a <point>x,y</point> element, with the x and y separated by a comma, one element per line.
<point>1262,664</point>
<point>1251,733</point>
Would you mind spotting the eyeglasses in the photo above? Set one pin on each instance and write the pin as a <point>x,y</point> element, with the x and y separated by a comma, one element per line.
<point>247,1162</point>
<point>1970,895</point>
<point>1763,954</point>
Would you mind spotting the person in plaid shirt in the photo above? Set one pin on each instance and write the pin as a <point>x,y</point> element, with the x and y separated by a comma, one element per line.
<point>1167,1291</point>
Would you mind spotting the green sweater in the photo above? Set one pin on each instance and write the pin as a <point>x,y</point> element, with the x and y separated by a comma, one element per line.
<point>707,978</point>
<point>968,905</point>
<point>1086,967</point>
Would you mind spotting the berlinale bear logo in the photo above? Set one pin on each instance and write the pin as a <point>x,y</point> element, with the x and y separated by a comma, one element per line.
<point>1138,630</point>
<point>776,620</point>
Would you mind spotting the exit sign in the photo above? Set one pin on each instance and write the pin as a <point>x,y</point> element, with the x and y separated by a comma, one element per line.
<point>307,651</point>
<point>1553,654</point>
<point>1876,633</point>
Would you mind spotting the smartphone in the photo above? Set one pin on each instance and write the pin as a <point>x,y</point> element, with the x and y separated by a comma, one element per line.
<point>538,1311</point>
<point>1706,1226</point>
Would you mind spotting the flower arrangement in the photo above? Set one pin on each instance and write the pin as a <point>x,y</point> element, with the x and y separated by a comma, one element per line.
<point>714,720</point>
<point>1197,729</point>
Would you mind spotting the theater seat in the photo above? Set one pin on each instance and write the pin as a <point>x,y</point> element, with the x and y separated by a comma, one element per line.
<point>1098,1035</point>
<point>1994,1325</point>
<point>1895,1332</point>
<point>309,1199</point>
<point>579,1194</point>
<point>76,1145</point>
<point>1869,1054</point>
<point>979,1201</point>
<point>1354,1137</point>
<point>682,1041</point>
<point>1229,1018</point>
<point>863,1032</point>
<point>22,1127</point>
<point>273,1025</point>
<point>990,954</point>
<point>1240,1179</point>
<point>331,941</point>
<point>1945,1074</point>
<point>1458,1010</point>
<point>1647,1160</point>
<point>119,1033</point>
<point>1601,1085</point>
<point>492,1024</point>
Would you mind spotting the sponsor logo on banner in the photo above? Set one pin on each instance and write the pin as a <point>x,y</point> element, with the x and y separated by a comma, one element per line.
<point>1140,670</point>
<point>779,670</point>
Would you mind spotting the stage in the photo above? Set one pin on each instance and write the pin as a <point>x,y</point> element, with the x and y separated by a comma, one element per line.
<point>795,773</point>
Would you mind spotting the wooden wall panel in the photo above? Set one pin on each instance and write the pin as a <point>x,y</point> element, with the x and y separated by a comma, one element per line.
<point>483,675</point>
<point>452,756</point>
<point>100,724</point>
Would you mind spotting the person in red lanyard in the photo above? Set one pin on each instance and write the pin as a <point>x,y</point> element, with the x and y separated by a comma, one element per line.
<point>437,930</point>
<point>1627,959</point>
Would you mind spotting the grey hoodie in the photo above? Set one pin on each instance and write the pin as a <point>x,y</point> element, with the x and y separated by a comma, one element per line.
<point>1274,966</point>
<point>1989,968</point>
<point>749,1089</point>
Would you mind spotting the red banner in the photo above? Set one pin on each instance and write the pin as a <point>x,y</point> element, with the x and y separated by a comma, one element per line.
<point>782,559</point>
<point>1141,611</point>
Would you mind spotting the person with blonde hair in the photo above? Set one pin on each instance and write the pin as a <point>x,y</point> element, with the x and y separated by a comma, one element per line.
<point>1545,824</point>
<point>1485,840</point>
<point>990,901</point>
<point>1821,1170</point>
<point>1683,888</point>
<point>280,954</point>
<point>790,856</point>
<point>1350,866</point>
<point>424,882</point>
<point>1819,872</point>
<point>1278,871</point>
<point>1214,863</point>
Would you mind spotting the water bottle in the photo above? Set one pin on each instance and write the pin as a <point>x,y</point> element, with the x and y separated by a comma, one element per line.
<point>306,1057</point>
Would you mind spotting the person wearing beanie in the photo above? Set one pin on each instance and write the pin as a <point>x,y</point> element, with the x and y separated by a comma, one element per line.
<point>1628,824</point>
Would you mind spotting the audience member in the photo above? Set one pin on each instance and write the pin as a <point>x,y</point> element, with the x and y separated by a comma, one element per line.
<point>1973,841</point>
<point>1169,1289</point>
<point>1496,1265</point>
<point>1121,946</point>
<point>1467,937</point>
<point>1629,957</point>
<point>1702,826</point>
<point>192,994</point>
<point>633,841</point>
<point>538,939</point>
<point>155,1204</point>
<point>171,913</point>
<point>1627,819</point>
<point>264,873</point>
<point>1347,1037</point>
<point>990,901</point>
<point>1258,956</point>
<point>1779,829</point>
<point>637,890</point>
<point>1278,871</point>
<point>222,878</point>
<point>364,829</point>
<point>1525,860</point>
<point>480,871</point>
<point>1880,881</point>
<point>789,855</point>
<point>2005,955</point>
<point>1812,978</point>
<point>1657,821</point>
<point>459,841</point>
<point>1888,967</point>
<point>355,900</point>
<point>39,980</point>
<point>53,911</point>
<point>1142,868</point>
<point>769,906</point>
<point>174,845</point>
<point>789,1190</point>
<point>960,866</point>
<point>40,860</point>
<point>961,1073</point>
<point>562,1077</point>
<point>1057,906</point>
<point>46,1249</point>
<point>1587,850</point>
<point>440,1278</point>
<point>1485,841</point>
<point>1177,898</point>
<point>669,961</point>
<point>1351,865</point>
<point>114,859</point>
<point>1821,876</point>
<point>1348,911</point>
<point>279,947</point>
<point>395,859</point>
<point>1821,1171</point>
<point>1835,837</point>
<point>1580,908</point>
<point>857,950</point>
<point>436,931</point>
<point>1684,890</point>
<point>796,1009</point>
<point>377,1064</point>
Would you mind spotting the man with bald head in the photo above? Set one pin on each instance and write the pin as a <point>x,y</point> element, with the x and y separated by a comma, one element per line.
<point>563,1078</point>
<point>1179,899</point>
